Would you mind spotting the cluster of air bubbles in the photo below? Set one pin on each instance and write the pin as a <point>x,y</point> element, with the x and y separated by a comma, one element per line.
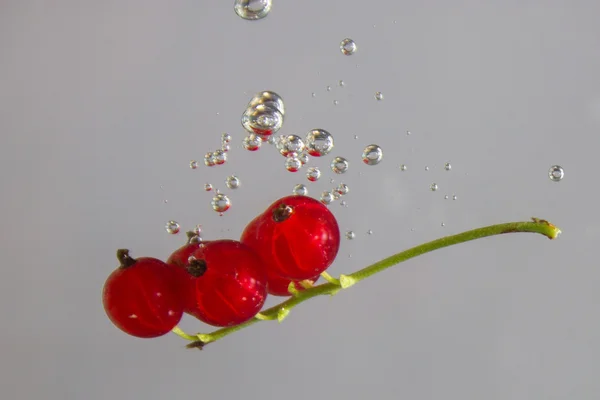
<point>220,203</point>
<point>172,227</point>
<point>372,154</point>
<point>339,165</point>
<point>232,182</point>
<point>347,47</point>
<point>378,96</point>
<point>300,190</point>
<point>217,157</point>
<point>252,9</point>
<point>556,173</point>
<point>263,117</point>
<point>328,196</point>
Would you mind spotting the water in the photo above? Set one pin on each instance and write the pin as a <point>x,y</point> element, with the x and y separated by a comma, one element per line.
<point>339,165</point>
<point>252,142</point>
<point>433,187</point>
<point>293,164</point>
<point>378,96</point>
<point>343,189</point>
<point>447,166</point>
<point>347,47</point>
<point>262,119</point>
<point>291,144</point>
<point>350,235</point>
<point>269,99</point>
<point>252,9</point>
<point>372,154</point>
<point>556,173</point>
<point>220,203</point>
<point>172,227</point>
<point>193,164</point>
<point>232,182</point>
<point>326,198</point>
<point>300,190</point>
<point>319,142</point>
<point>313,174</point>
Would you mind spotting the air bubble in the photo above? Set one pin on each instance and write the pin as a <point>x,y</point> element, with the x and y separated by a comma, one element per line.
<point>326,198</point>
<point>225,147</point>
<point>335,102</point>
<point>220,203</point>
<point>454,197</point>
<point>433,187</point>
<point>339,165</point>
<point>446,197</point>
<point>262,119</point>
<point>369,232</point>
<point>209,159</point>
<point>225,138</point>
<point>556,173</point>
<point>329,88</point>
<point>208,187</point>
<point>269,99</point>
<point>293,164</point>
<point>300,190</point>
<point>347,47</point>
<point>319,142</point>
<point>193,164</point>
<point>342,189</point>
<point>172,227</point>
<point>341,83</point>
<point>252,142</point>
<point>403,167</point>
<point>220,157</point>
<point>252,9</point>
<point>291,144</point>
<point>447,166</point>
<point>303,157</point>
<point>232,182</point>
<point>372,155</point>
<point>313,174</point>
<point>378,96</point>
<point>350,235</point>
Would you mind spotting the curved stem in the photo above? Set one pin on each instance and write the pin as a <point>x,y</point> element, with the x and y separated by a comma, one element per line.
<point>333,286</point>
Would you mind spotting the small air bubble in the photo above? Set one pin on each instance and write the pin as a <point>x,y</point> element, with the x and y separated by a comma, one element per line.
<point>447,166</point>
<point>172,227</point>
<point>220,203</point>
<point>326,198</point>
<point>225,138</point>
<point>403,167</point>
<point>369,232</point>
<point>339,165</point>
<point>335,102</point>
<point>454,197</point>
<point>329,88</point>
<point>313,174</point>
<point>433,187</point>
<point>446,197</point>
<point>341,83</point>
<point>347,47</point>
<point>193,164</point>
<point>232,182</point>
<point>350,235</point>
<point>220,157</point>
<point>208,187</point>
<point>378,96</point>
<point>293,164</point>
<point>426,168</point>
<point>318,142</point>
<point>300,190</point>
<point>556,173</point>
<point>209,159</point>
<point>252,142</point>
<point>372,154</point>
<point>252,9</point>
<point>342,189</point>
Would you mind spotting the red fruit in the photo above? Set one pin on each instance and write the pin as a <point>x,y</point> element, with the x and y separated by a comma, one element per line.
<point>140,297</point>
<point>297,237</point>
<point>226,283</point>
<point>278,286</point>
<point>185,281</point>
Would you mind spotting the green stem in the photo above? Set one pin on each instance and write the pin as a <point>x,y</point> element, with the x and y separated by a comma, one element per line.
<point>330,288</point>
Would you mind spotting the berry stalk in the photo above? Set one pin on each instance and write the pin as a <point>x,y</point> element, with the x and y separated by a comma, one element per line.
<point>281,310</point>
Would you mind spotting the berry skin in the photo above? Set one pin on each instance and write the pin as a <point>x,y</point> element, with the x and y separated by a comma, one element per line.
<point>278,286</point>
<point>297,237</point>
<point>226,283</point>
<point>140,297</point>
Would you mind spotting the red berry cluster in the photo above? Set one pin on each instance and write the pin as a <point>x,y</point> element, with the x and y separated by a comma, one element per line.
<point>224,282</point>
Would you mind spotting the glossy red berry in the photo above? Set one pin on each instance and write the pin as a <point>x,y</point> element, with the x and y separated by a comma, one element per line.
<point>278,286</point>
<point>140,297</point>
<point>226,283</point>
<point>297,237</point>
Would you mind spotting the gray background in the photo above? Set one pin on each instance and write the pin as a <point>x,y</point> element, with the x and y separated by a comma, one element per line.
<point>104,103</point>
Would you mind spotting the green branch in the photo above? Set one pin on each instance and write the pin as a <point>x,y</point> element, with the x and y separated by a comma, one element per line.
<point>280,311</point>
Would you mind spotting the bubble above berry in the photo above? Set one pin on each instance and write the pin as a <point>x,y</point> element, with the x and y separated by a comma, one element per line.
<point>172,227</point>
<point>220,203</point>
<point>268,98</point>
<point>339,165</point>
<point>252,142</point>
<point>372,155</point>
<point>252,9</point>
<point>300,190</point>
<point>327,197</point>
<point>319,142</point>
<point>262,119</point>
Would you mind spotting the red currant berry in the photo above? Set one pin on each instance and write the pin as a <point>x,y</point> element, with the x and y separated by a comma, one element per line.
<point>140,297</point>
<point>297,237</point>
<point>278,286</point>
<point>185,281</point>
<point>228,282</point>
